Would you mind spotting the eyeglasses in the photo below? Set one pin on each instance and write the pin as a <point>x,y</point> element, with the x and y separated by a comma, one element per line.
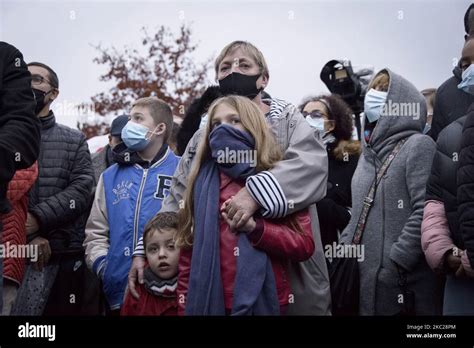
<point>38,80</point>
<point>314,114</point>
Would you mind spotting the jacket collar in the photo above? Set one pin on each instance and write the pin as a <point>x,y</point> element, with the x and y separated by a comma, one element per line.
<point>123,156</point>
<point>48,121</point>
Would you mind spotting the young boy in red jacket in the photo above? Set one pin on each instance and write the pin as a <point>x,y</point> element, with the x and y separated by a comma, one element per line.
<point>158,292</point>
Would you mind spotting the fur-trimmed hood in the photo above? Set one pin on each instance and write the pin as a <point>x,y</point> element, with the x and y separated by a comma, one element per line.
<point>350,147</point>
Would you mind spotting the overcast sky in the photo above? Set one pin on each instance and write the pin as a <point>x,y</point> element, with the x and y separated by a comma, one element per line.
<point>417,39</point>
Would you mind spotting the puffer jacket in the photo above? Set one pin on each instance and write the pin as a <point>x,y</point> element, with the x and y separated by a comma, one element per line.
<point>60,198</point>
<point>442,182</point>
<point>451,103</point>
<point>465,187</point>
<point>280,242</point>
<point>14,229</point>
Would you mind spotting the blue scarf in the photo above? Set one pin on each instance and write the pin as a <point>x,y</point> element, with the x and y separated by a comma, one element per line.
<point>255,287</point>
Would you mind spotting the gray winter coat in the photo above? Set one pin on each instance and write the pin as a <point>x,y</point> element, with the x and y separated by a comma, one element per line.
<point>392,232</point>
<point>302,175</point>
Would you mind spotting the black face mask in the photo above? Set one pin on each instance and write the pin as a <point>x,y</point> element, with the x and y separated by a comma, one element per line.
<point>39,97</point>
<point>240,84</point>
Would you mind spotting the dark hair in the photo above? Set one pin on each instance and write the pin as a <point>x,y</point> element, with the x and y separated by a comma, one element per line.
<point>53,77</point>
<point>467,27</point>
<point>192,119</point>
<point>161,221</point>
<point>173,139</point>
<point>338,111</point>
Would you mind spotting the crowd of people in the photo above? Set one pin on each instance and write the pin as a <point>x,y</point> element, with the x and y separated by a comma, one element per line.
<point>240,209</point>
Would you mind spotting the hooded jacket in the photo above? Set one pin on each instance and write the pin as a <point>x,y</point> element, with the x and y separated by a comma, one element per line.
<point>19,126</point>
<point>451,103</point>
<point>392,231</point>
<point>128,194</point>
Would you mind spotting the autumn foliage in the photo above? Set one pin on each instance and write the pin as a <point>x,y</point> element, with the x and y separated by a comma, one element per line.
<point>163,67</point>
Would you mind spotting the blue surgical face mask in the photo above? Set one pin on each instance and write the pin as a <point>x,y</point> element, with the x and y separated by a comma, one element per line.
<point>373,104</point>
<point>467,83</point>
<point>317,123</point>
<point>134,135</point>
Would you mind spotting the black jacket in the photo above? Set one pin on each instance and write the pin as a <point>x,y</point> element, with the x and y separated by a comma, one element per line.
<point>19,126</point>
<point>451,103</point>
<point>442,184</point>
<point>192,119</point>
<point>465,186</point>
<point>61,197</point>
<point>333,210</point>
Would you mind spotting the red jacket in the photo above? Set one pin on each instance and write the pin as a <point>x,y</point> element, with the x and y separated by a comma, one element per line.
<point>148,304</point>
<point>14,229</point>
<point>279,241</point>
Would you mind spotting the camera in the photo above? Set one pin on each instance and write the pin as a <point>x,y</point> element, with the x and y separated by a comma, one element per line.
<point>340,78</point>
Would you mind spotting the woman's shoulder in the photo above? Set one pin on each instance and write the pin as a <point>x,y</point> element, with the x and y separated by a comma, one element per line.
<point>420,142</point>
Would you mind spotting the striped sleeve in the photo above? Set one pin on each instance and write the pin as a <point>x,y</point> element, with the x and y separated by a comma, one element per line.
<point>267,192</point>
<point>139,249</point>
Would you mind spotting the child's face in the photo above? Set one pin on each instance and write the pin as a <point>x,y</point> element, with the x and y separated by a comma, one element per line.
<point>141,115</point>
<point>224,114</point>
<point>161,253</point>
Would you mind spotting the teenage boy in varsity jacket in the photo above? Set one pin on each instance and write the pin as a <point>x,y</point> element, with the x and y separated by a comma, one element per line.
<point>129,194</point>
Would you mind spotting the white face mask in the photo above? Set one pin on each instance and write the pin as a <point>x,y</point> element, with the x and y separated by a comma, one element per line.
<point>316,123</point>
<point>373,104</point>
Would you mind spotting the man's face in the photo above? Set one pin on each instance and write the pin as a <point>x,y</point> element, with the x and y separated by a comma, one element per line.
<point>40,80</point>
<point>240,62</point>
<point>162,254</point>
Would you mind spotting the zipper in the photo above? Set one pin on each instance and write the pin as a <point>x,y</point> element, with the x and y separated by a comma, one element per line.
<point>137,208</point>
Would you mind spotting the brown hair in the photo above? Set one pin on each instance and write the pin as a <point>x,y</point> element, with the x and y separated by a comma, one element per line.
<point>160,111</point>
<point>381,81</point>
<point>267,151</point>
<point>161,221</point>
<point>248,48</point>
<point>338,111</point>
